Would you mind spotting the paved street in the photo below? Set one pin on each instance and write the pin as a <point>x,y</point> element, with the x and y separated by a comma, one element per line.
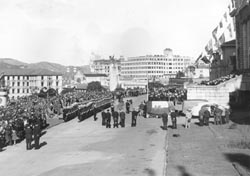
<point>87,148</point>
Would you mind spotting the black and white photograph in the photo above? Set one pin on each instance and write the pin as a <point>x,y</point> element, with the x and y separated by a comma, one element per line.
<point>124,88</point>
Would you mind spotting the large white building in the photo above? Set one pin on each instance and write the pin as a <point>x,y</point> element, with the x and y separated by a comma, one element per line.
<point>154,66</point>
<point>23,82</point>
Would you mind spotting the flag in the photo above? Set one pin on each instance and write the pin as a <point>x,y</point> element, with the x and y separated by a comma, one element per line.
<point>221,24</point>
<point>222,39</point>
<point>205,60</point>
<point>199,58</point>
<point>214,33</point>
<point>225,16</point>
<point>230,30</point>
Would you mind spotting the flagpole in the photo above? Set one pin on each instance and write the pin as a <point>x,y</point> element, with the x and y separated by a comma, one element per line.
<point>147,85</point>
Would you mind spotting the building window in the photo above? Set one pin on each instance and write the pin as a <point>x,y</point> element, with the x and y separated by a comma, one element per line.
<point>23,83</point>
<point>23,90</point>
<point>18,77</point>
<point>27,83</point>
<point>18,84</point>
<point>13,90</point>
<point>42,84</point>
<point>42,77</point>
<point>28,90</point>
<point>18,90</point>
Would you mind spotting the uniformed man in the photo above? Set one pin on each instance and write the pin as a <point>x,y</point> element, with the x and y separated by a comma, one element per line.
<point>122,118</point>
<point>108,119</point>
<point>127,107</point>
<point>217,116</point>
<point>37,134</point>
<point>115,119</point>
<point>103,118</point>
<point>173,115</point>
<point>206,117</point>
<point>95,112</point>
<point>28,137</point>
<point>165,120</point>
<point>134,117</point>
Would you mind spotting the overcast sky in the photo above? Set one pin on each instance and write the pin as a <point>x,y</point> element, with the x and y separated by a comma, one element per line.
<point>68,31</point>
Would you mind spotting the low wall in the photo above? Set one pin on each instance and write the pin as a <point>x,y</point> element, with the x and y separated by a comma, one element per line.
<point>210,93</point>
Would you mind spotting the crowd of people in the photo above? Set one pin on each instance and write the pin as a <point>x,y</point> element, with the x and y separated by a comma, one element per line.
<point>25,117</point>
<point>167,94</point>
<point>218,80</point>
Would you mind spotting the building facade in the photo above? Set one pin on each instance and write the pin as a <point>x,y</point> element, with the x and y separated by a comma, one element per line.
<point>224,64</point>
<point>24,82</point>
<point>153,66</point>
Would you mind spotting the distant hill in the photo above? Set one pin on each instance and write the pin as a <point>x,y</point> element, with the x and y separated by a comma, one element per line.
<point>49,66</point>
<point>12,62</point>
<point>8,63</point>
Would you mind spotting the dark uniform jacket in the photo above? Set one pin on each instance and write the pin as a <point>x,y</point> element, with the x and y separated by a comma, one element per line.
<point>28,133</point>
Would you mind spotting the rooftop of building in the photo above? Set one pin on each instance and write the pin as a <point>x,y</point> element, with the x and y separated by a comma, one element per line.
<point>29,72</point>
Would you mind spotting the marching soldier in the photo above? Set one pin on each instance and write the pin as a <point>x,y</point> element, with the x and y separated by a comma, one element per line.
<point>37,133</point>
<point>28,136</point>
<point>103,118</point>
<point>122,118</point>
<point>108,119</point>
<point>115,118</point>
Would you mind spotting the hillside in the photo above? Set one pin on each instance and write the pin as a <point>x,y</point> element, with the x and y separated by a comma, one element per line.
<point>12,62</point>
<point>49,66</point>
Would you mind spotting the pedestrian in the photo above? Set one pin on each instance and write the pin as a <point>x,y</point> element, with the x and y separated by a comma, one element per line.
<point>173,116</point>
<point>14,136</point>
<point>95,112</point>
<point>227,115</point>
<point>165,120</point>
<point>115,119</point>
<point>144,110</point>
<point>206,117</point>
<point>134,117</point>
<point>103,118</point>
<point>217,115</point>
<point>28,137</point>
<point>188,118</point>
<point>8,134</point>
<point>201,117</point>
<point>37,134</point>
<point>127,107</point>
<point>108,119</point>
<point>122,118</point>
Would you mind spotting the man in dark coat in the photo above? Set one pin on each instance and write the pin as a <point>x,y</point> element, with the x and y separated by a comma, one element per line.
<point>127,107</point>
<point>165,120</point>
<point>28,136</point>
<point>95,112</point>
<point>122,118</point>
<point>108,119</point>
<point>103,118</point>
<point>173,115</point>
<point>37,134</point>
<point>115,119</point>
<point>206,116</point>
<point>134,117</point>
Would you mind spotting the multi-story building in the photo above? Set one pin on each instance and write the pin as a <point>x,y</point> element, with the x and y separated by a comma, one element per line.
<point>23,82</point>
<point>103,66</point>
<point>154,66</point>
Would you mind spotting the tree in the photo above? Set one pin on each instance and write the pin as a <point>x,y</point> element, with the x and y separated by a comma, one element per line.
<point>95,86</point>
<point>179,74</point>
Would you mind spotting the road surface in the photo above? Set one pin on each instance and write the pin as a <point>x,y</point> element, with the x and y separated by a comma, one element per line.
<point>87,148</point>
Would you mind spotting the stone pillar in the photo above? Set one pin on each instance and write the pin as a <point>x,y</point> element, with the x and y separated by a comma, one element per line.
<point>113,77</point>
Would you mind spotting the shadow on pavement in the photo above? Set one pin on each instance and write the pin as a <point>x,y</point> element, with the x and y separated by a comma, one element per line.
<point>183,171</point>
<point>240,158</point>
<point>42,144</point>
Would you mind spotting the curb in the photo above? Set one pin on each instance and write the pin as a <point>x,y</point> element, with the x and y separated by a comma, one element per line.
<point>166,155</point>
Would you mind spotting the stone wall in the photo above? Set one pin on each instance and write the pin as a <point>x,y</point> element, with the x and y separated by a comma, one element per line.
<point>219,93</point>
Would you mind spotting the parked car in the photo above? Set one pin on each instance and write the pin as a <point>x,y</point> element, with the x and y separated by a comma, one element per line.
<point>210,106</point>
<point>189,104</point>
